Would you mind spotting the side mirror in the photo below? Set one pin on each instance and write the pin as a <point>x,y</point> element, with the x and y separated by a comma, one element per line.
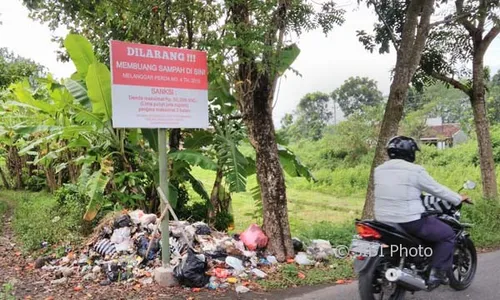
<point>469,185</point>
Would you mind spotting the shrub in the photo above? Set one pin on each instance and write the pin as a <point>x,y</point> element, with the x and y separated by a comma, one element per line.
<point>40,218</point>
<point>486,224</point>
<point>337,234</point>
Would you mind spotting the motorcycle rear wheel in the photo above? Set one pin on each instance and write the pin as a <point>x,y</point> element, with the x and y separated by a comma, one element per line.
<point>370,287</point>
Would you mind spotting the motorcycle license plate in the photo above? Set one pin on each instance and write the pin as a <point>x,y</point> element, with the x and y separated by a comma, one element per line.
<point>364,248</point>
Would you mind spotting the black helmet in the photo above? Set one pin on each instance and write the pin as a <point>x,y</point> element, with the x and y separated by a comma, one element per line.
<point>402,147</point>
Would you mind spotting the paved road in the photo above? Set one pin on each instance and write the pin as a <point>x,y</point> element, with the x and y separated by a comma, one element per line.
<point>486,286</point>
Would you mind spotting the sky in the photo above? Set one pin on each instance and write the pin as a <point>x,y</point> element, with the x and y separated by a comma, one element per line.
<point>324,63</point>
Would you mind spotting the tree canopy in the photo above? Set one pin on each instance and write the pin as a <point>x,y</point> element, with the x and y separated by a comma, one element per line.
<point>15,68</point>
<point>356,93</point>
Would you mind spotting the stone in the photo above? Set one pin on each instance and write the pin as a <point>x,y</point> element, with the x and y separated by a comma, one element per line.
<point>146,281</point>
<point>89,277</point>
<point>67,272</point>
<point>65,260</point>
<point>105,282</point>
<point>40,262</point>
<point>59,281</point>
<point>165,277</point>
<point>96,269</point>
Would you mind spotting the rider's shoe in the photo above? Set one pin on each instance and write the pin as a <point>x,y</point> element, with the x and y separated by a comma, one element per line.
<point>436,278</point>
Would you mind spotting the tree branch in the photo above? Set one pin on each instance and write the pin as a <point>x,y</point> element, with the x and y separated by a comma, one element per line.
<point>453,82</point>
<point>490,36</point>
<point>422,34</point>
<point>466,23</point>
<point>483,11</point>
<point>388,28</point>
<point>450,19</point>
<point>279,23</point>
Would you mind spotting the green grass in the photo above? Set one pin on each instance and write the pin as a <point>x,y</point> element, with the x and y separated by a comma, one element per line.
<point>289,275</point>
<point>38,218</point>
<point>305,207</point>
<point>3,209</point>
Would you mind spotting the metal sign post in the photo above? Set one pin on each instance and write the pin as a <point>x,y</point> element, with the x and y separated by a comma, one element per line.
<point>163,164</point>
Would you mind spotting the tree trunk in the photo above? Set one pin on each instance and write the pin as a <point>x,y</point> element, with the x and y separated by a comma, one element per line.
<point>15,166</point>
<point>408,58</point>
<point>50,176</point>
<point>255,86</point>
<point>6,183</point>
<point>478,103</point>
<point>214,196</point>
<point>270,176</point>
<point>389,128</point>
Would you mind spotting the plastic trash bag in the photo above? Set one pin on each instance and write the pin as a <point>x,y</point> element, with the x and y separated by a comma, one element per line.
<point>202,228</point>
<point>254,238</point>
<point>191,271</point>
<point>298,246</point>
<point>136,216</point>
<point>122,221</point>
<point>142,244</point>
<point>235,263</point>
<point>120,235</point>
<point>302,259</point>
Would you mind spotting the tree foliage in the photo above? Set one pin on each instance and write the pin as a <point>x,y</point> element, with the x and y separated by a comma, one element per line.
<point>16,68</point>
<point>168,23</point>
<point>312,115</point>
<point>356,93</point>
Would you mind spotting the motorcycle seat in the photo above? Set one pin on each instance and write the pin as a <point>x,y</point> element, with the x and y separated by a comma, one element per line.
<point>403,231</point>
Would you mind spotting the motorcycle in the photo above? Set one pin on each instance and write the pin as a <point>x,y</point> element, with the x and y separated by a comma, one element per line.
<point>384,269</point>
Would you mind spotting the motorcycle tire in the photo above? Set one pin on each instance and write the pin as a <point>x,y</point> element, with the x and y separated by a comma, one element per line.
<point>366,279</point>
<point>456,282</point>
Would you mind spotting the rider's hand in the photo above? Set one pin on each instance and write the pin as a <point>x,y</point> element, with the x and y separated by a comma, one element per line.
<point>465,198</point>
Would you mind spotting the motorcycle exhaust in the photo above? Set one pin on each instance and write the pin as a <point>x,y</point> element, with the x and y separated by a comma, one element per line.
<point>406,279</point>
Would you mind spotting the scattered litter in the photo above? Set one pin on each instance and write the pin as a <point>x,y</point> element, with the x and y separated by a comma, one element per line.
<point>146,281</point>
<point>89,277</point>
<point>301,259</point>
<point>202,228</point>
<point>66,271</point>
<point>259,273</point>
<point>221,273</point>
<point>122,221</point>
<point>235,263</point>
<point>128,249</point>
<point>272,259</point>
<point>298,246</point>
<point>320,249</point>
<point>105,247</point>
<point>240,289</point>
<point>62,280</point>
<point>232,280</point>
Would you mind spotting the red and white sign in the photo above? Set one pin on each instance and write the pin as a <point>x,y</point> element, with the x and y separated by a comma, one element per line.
<point>158,87</point>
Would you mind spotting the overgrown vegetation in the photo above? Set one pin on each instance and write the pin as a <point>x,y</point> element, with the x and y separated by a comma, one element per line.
<point>40,222</point>
<point>338,270</point>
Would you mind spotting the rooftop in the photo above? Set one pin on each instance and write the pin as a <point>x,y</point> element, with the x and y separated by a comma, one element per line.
<point>443,131</point>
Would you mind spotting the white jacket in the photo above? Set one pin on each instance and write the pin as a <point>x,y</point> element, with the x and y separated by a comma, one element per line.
<point>398,187</point>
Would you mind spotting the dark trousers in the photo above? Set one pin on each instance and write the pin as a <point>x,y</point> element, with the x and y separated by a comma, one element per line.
<point>433,230</point>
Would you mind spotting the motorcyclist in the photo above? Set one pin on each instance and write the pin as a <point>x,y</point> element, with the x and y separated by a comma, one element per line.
<point>399,183</point>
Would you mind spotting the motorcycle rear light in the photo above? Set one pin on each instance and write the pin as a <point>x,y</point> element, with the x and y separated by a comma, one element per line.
<point>361,257</point>
<point>366,231</point>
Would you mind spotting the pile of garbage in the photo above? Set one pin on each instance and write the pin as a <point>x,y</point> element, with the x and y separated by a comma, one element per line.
<point>128,248</point>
